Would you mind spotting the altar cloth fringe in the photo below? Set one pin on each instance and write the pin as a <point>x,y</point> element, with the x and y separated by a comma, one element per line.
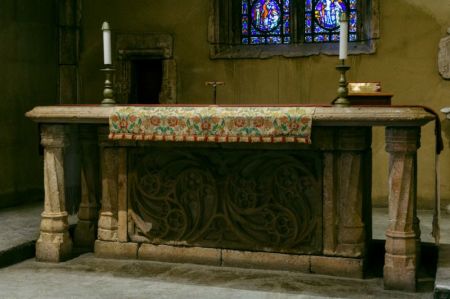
<point>213,124</point>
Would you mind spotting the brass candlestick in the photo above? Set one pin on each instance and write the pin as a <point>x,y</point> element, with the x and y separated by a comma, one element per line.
<point>342,100</point>
<point>108,91</point>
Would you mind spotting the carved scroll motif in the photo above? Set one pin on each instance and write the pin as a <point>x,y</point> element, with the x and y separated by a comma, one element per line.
<point>242,199</point>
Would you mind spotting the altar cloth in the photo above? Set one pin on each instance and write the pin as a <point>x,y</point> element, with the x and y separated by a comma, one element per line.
<point>212,124</point>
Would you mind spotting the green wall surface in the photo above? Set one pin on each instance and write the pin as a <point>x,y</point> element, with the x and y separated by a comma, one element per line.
<point>28,61</point>
<point>405,62</point>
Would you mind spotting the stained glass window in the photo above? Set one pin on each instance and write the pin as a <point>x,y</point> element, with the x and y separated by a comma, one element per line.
<point>322,20</point>
<point>269,21</point>
<point>291,28</point>
<point>265,22</point>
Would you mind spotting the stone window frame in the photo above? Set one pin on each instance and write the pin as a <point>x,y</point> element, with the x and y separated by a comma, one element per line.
<point>225,25</point>
<point>135,46</point>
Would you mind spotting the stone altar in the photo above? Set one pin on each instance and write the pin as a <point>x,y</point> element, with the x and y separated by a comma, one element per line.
<point>323,227</point>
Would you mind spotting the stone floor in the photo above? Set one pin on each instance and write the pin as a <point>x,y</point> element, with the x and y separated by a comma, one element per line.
<point>19,231</point>
<point>89,277</point>
<point>19,225</point>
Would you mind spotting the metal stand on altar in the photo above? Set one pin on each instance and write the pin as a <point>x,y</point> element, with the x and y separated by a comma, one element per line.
<point>342,100</point>
<point>108,91</point>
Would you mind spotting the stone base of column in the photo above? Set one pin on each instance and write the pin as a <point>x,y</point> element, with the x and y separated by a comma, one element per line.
<point>54,243</point>
<point>348,241</point>
<point>85,235</point>
<point>400,273</point>
<point>53,247</point>
<point>86,229</point>
<point>107,227</point>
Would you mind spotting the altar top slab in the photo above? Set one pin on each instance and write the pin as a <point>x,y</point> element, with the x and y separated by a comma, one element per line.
<point>323,116</point>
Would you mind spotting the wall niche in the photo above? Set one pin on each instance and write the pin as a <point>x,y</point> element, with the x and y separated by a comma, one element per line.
<point>146,70</point>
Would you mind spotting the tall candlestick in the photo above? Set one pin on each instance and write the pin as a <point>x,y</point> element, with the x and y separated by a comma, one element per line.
<point>108,91</point>
<point>106,44</point>
<point>343,36</point>
<point>342,100</point>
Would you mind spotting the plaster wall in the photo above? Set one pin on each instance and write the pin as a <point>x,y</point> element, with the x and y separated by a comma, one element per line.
<point>27,79</point>
<point>405,62</point>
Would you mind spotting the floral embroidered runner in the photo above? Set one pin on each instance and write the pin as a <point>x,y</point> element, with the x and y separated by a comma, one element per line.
<point>212,124</point>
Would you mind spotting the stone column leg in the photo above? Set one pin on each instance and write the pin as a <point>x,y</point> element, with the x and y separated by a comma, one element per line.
<point>109,160</point>
<point>346,191</point>
<point>353,144</point>
<point>86,229</point>
<point>54,243</point>
<point>402,235</point>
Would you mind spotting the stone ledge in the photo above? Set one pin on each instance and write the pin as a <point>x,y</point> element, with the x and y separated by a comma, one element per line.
<point>173,254</point>
<point>337,266</point>
<point>323,116</point>
<point>17,254</point>
<point>333,266</point>
<point>265,260</point>
<point>104,249</point>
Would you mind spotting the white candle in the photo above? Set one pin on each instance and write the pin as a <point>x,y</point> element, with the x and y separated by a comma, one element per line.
<point>106,44</point>
<point>343,37</point>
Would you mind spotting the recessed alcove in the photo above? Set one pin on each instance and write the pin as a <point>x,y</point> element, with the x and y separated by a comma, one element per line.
<point>146,70</point>
<point>146,81</point>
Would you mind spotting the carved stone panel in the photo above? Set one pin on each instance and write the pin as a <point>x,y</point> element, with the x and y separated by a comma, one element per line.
<point>444,56</point>
<point>240,199</point>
